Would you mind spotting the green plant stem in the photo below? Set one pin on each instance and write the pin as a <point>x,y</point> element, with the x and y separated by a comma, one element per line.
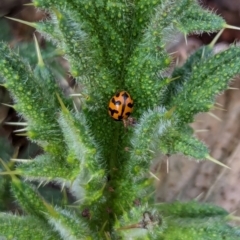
<point>114,153</point>
<point>112,177</point>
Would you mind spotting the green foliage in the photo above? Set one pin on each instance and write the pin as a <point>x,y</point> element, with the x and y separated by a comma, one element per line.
<point>31,227</point>
<point>113,46</point>
<point>201,99</point>
<point>6,152</point>
<point>205,228</point>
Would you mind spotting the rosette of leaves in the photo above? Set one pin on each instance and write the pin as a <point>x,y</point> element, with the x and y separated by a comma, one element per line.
<point>113,46</point>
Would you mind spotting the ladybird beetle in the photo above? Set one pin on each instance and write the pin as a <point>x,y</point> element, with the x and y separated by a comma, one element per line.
<point>120,106</point>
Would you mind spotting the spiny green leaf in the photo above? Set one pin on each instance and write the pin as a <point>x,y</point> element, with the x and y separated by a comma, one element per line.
<point>199,229</point>
<point>152,127</point>
<point>48,167</point>
<point>182,74</point>
<point>190,209</point>
<point>209,77</point>
<point>25,227</point>
<point>30,96</point>
<point>68,225</point>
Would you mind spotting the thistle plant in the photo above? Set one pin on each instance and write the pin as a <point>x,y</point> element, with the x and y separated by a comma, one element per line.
<point>114,46</point>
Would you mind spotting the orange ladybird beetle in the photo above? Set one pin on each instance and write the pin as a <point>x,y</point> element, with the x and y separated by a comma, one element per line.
<point>120,106</point>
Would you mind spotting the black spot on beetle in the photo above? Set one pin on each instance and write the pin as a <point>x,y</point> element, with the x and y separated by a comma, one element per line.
<point>130,105</point>
<point>125,95</point>
<point>127,114</point>
<point>112,111</point>
<point>116,102</point>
